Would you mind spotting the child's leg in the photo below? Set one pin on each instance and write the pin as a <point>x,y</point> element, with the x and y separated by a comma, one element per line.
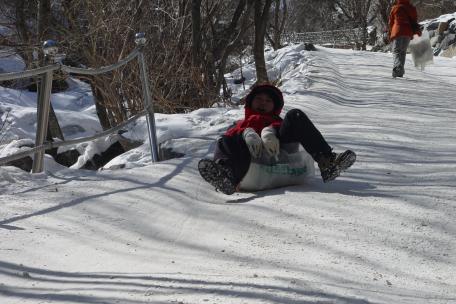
<point>232,151</point>
<point>231,162</point>
<point>297,127</point>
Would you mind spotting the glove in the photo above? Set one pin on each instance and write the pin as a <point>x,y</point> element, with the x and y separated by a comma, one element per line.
<point>253,141</point>
<point>270,141</point>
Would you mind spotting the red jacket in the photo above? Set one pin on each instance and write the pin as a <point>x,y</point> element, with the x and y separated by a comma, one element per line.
<point>258,121</point>
<point>403,20</point>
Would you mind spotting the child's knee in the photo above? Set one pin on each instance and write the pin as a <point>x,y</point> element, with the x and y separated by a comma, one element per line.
<point>296,115</point>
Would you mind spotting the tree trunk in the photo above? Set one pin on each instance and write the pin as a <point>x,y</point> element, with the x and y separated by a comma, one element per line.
<point>280,8</point>
<point>365,36</point>
<point>261,20</point>
<point>233,36</point>
<point>22,29</point>
<point>102,112</point>
<point>43,19</point>
<point>196,32</point>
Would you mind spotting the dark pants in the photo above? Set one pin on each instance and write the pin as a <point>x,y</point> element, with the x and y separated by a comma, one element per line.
<point>296,127</point>
<point>400,45</point>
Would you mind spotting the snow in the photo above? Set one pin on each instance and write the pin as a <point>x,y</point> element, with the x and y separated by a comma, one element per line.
<point>75,111</point>
<point>442,18</point>
<point>10,62</point>
<point>383,232</point>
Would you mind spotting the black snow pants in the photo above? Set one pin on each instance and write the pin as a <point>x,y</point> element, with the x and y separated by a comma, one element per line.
<point>233,152</point>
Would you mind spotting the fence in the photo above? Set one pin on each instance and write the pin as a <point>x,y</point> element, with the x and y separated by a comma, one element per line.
<point>44,100</point>
<point>336,37</point>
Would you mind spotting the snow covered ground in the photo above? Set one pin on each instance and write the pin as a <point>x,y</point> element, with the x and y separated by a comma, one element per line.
<point>384,232</point>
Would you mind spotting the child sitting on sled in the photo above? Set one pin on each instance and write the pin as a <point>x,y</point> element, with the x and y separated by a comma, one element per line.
<point>262,131</point>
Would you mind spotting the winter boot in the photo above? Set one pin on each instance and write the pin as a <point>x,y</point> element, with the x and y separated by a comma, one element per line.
<point>398,72</point>
<point>332,164</point>
<point>218,175</point>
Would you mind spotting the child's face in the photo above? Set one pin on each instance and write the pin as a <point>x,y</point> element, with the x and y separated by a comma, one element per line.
<point>262,103</point>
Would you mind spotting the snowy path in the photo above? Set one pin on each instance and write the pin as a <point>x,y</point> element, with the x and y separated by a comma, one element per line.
<point>382,233</point>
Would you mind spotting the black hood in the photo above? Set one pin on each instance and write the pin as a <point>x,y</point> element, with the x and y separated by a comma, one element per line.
<point>269,89</point>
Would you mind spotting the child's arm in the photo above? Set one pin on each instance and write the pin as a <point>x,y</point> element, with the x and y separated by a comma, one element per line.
<point>270,141</point>
<point>253,141</point>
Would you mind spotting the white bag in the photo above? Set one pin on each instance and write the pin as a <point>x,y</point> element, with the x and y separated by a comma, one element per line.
<point>421,50</point>
<point>291,169</point>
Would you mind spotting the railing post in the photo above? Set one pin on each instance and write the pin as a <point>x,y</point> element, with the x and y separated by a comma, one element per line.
<point>43,105</point>
<point>140,40</point>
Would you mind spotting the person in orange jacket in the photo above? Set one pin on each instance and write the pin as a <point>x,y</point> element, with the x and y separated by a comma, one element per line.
<point>403,25</point>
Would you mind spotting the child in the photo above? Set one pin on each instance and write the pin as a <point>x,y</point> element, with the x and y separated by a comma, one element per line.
<point>263,131</point>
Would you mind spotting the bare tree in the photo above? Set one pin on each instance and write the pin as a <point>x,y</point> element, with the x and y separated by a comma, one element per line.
<point>17,16</point>
<point>21,13</point>
<point>231,39</point>
<point>44,17</point>
<point>261,18</point>
<point>190,46</point>
<point>310,15</point>
<point>383,9</point>
<point>357,13</point>
<point>196,31</point>
<point>428,9</point>
<point>277,25</point>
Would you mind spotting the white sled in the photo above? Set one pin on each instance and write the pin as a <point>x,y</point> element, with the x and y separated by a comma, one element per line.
<point>293,167</point>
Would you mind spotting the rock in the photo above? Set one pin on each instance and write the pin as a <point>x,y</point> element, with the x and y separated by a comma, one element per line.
<point>448,40</point>
<point>25,163</point>
<point>58,85</point>
<point>168,153</point>
<point>452,27</point>
<point>239,81</point>
<point>69,130</point>
<point>309,47</point>
<point>432,26</point>
<point>442,27</point>
<point>129,144</point>
<point>99,160</point>
<point>437,50</point>
<point>450,51</point>
<point>67,158</point>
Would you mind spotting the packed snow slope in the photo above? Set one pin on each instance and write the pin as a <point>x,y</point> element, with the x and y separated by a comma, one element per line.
<point>383,232</point>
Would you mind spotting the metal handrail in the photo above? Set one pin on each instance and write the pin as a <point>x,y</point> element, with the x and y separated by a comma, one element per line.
<point>101,70</point>
<point>50,50</point>
<point>335,36</point>
<point>51,145</point>
<point>29,73</point>
<point>334,31</point>
<point>69,69</point>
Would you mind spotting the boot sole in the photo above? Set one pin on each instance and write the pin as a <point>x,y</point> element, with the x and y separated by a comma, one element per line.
<point>345,161</point>
<point>214,174</point>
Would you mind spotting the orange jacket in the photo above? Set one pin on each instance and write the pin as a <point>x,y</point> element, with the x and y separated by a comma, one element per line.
<point>403,20</point>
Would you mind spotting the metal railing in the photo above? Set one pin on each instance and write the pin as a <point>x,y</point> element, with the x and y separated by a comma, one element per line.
<point>44,100</point>
<point>350,36</point>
